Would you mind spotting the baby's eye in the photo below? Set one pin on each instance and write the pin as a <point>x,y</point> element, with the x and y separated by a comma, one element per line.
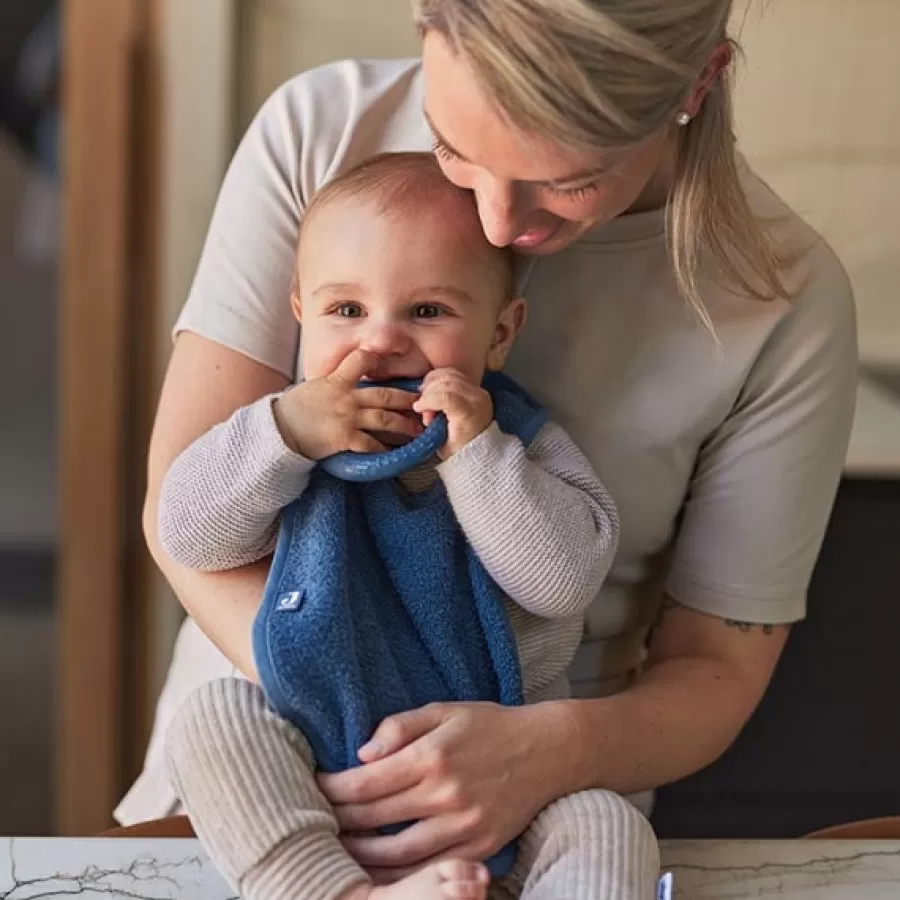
<point>349,310</point>
<point>427,311</point>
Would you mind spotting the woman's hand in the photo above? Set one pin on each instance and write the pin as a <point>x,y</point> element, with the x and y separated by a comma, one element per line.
<point>471,775</point>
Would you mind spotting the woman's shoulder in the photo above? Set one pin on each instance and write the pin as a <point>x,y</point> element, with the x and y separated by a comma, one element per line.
<point>348,84</point>
<point>820,307</point>
<point>330,118</point>
<point>814,274</point>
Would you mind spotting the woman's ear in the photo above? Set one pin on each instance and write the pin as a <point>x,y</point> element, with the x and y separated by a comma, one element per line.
<point>295,298</point>
<point>509,323</point>
<point>719,61</point>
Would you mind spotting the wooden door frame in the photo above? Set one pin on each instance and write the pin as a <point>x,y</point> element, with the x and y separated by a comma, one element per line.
<point>107,290</point>
<point>148,133</point>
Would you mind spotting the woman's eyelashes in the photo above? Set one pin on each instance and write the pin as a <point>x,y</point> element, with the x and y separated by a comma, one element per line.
<point>578,192</point>
<point>441,150</point>
<point>574,193</point>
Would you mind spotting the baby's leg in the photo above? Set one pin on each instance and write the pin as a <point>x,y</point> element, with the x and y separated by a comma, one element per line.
<point>593,845</point>
<point>245,776</point>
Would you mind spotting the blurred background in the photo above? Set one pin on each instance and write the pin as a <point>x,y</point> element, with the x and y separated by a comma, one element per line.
<point>29,532</point>
<point>117,120</point>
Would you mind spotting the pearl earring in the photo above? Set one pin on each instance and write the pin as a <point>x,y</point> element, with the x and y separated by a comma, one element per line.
<point>683,118</point>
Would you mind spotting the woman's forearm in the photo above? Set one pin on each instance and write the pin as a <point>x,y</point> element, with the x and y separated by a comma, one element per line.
<point>681,716</point>
<point>205,383</point>
<point>223,604</point>
<point>704,678</point>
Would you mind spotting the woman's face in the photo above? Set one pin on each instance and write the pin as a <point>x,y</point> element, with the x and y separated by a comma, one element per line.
<point>532,192</point>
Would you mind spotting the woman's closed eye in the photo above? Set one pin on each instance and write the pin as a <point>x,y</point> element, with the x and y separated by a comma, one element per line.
<point>574,193</point>
<point>441,150</point>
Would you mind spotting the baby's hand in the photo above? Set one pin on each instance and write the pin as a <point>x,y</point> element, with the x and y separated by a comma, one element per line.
<point>328,415</point>
<point>468,407</point>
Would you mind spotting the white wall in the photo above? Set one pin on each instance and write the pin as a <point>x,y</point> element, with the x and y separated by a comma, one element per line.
<point>199,132</point>
<point>819,115</point>
<point>283,37</point>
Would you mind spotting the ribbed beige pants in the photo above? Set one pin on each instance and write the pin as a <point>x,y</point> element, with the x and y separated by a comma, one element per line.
<point>245,776</point>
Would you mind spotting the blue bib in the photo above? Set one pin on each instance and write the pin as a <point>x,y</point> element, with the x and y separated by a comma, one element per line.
<point>376,604</point>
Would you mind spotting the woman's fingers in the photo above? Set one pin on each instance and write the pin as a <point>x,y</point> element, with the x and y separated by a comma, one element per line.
<point>399,731</point>
<point>415,803</point>
<point>388,789</point>
<point>371,782</point>
<point>425,840</point>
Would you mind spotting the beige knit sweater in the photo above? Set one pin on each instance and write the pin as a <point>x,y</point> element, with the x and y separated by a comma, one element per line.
<point>540,521</point>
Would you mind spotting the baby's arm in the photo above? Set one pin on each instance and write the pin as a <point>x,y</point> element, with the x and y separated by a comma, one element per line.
<point>220,500</point>
<point>540,521</point>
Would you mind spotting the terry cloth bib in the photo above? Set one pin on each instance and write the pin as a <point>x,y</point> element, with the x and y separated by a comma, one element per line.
<point>376,604</point>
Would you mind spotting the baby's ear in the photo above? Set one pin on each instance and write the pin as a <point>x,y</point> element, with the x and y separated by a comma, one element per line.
<point>295,297</point>
<point>509,323</point>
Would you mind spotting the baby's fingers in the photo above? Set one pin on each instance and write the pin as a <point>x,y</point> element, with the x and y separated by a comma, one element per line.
<point>384,398</point>
<point>440,400</point>
<point>365,443</point>
<point>385,420</point>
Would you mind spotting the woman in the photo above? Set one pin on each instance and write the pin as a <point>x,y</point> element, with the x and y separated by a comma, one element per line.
<point>692,335</point>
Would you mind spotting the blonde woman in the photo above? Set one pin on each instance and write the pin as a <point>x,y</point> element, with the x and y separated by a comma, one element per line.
<point>692,335</point>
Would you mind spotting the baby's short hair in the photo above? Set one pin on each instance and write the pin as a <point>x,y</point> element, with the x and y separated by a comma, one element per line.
<point>403,183</point>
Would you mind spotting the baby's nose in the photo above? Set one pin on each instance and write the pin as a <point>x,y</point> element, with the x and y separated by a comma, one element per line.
<point>385,339</point>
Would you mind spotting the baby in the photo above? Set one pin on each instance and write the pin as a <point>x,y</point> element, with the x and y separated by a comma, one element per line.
<point>464,579</point>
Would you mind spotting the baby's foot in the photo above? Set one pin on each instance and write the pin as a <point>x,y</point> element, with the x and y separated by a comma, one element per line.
<point>451,880</point>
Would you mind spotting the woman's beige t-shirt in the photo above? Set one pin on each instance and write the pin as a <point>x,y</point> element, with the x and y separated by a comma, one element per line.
<point>723,458</point>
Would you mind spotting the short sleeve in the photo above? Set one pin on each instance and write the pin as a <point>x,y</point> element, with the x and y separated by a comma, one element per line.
<point>764,484</point>
<point>312,128</point>
<point>240,296</point>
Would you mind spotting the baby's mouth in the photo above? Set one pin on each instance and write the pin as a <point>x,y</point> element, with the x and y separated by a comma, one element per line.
<point>393,376</point>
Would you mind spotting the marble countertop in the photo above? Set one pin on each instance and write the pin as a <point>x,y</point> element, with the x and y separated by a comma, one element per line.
<point>875,440</point>
<point>160,869</point>
<point>795,870</point>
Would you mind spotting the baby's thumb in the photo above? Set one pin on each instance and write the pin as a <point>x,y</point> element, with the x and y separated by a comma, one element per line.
<point>354,366</point>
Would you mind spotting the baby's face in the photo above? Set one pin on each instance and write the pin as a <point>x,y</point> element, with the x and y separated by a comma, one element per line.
<point>414,289</point>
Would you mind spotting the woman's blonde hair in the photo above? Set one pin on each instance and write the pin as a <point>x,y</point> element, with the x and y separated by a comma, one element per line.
<point>609,74</point>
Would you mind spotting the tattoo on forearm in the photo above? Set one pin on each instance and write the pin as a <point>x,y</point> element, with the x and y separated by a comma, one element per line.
<point>747,627</point>
<point>668,604</point>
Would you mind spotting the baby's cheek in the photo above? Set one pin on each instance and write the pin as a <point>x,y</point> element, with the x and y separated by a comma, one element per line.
<point>315,365</point>
<point>322,352</point>
<point>465,350</point>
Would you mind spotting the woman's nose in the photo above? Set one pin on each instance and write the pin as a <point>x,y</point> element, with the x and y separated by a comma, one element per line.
<point>498,210</point>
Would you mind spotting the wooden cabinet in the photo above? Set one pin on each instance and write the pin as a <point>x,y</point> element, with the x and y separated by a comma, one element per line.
<point>824,745</point>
